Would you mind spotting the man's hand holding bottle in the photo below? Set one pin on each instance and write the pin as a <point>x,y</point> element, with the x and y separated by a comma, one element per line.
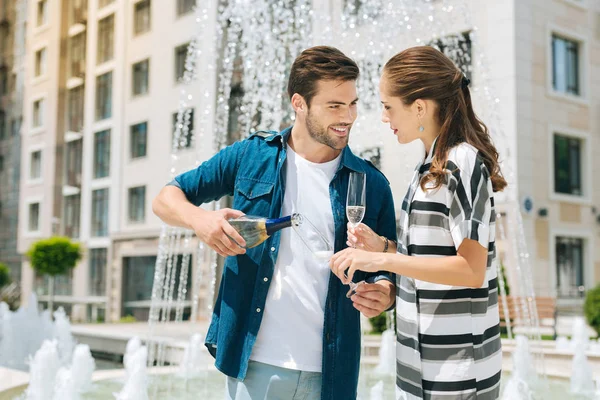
<point>213,228</point>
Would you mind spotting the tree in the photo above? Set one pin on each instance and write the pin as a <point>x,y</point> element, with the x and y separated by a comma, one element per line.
<point>4,275</point>
<point>52,257</point>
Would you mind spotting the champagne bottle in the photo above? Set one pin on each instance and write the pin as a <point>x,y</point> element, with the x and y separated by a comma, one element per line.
<point>256,230</point>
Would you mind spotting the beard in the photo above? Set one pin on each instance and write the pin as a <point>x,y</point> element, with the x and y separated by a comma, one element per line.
<point>322,135</point>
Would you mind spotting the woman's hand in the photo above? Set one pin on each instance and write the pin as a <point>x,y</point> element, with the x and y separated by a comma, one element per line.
<point>363,237</point>
<point>354,260</point>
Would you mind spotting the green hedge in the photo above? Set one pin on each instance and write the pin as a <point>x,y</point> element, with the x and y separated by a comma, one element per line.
<point>591,308</point>
<point>4,275</point>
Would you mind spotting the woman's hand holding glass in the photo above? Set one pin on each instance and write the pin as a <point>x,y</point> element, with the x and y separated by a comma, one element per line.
<point>346,262</point>
<point>364,238</point>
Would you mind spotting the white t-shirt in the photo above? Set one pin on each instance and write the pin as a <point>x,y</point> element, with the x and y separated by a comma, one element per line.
<point>291,332</point>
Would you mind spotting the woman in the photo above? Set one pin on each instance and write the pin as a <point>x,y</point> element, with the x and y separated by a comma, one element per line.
<point>447,298</point>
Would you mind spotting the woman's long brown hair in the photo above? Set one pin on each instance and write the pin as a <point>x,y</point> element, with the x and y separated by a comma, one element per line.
<point>425,73</point>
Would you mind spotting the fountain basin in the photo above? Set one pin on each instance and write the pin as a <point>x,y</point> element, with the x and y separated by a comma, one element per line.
<point>166,383</point>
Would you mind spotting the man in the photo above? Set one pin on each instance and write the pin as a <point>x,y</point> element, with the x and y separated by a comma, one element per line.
<point>281,327</point>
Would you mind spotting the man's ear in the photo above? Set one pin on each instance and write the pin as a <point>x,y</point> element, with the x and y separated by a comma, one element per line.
<point>298,103</point>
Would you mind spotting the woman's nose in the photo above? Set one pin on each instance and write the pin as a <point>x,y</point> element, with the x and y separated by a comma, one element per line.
<point>384,117</point>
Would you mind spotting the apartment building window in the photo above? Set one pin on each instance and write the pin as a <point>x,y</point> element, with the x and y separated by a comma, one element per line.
<point>104,3</point>
<point>73,162</point>
<point>141,17</point>
<point>34,217</point>
<point>102,154</point>
<point>180,54</point>
<point>106,33</point>
<point>140,77</point>
<point>72,215</point>
<point>98,261</point>
<point>185,6</point>
<point>459,49</point>
<point>63,286</point>
<point>100,212</point>
<point>77,55</point>
<point>567,165</point>
<point>139,139</point>
<point>42,12</point>
<point>186,128</point>
<point>565,65</point>
<point>1,163</point>
<point>75,109</point>
<point>38,113</point>
<point>137,204</point>
<point>569,266</point>
<point>104,96</point>
<point>40,62</point>
<point>35,165</point>
<point>138,278</point>
<point>2,125</point>
<point>15,126</point>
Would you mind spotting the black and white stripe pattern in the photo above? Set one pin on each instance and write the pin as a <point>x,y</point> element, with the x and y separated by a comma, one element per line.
<point>448,337</point>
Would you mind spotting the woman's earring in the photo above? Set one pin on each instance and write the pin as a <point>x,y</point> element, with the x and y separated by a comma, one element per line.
<point>421,128</point>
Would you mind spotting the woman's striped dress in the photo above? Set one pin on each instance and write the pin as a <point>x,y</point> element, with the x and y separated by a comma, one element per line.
<point>448,337</point>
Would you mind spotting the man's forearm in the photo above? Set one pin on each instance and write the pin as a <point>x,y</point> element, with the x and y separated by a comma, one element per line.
<point>173,208</point>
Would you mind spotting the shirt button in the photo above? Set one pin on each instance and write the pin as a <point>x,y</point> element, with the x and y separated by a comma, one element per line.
<point>258,310</point>
<point>265,279</point>
<point>272,248</point>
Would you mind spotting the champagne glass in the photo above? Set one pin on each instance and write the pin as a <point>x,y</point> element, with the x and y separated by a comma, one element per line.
<point>318,244</point>
<point>356,200</point>
<point>313,239</point>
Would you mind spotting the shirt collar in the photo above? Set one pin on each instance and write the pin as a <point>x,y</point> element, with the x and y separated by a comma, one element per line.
<point>349,160</point>
<point>431,152</point>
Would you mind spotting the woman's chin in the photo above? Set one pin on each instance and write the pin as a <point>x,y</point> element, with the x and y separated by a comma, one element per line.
<point>405,140</point>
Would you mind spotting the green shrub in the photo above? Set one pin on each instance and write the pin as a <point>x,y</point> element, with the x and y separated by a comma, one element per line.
<point>4,275</point>
<point>127,319</point>
<point>591,308</point>
<point>503,272</point>
<point>378,323</point>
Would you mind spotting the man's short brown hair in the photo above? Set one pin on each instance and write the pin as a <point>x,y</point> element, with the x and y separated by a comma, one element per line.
<point>319,63</point>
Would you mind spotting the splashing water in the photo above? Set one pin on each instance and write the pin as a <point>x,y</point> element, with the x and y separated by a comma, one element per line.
<point>44,367</point>
<point>582,380</point>
<point>136,385</point>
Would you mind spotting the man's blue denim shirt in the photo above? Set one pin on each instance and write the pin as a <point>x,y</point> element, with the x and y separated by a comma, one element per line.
<point>252,171</point>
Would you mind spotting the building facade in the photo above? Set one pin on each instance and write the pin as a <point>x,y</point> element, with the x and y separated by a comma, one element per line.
<point>103,82</point>
<point>12,53</point>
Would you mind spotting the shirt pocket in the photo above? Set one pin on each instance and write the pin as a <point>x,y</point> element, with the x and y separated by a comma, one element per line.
<point>253,196</point>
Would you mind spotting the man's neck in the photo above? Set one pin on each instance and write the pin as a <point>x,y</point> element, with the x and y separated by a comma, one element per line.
<point>306,147</point>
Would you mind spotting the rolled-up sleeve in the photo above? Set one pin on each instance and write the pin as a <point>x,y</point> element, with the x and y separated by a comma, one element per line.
<point>471,205</point>
<point>214,178</point>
